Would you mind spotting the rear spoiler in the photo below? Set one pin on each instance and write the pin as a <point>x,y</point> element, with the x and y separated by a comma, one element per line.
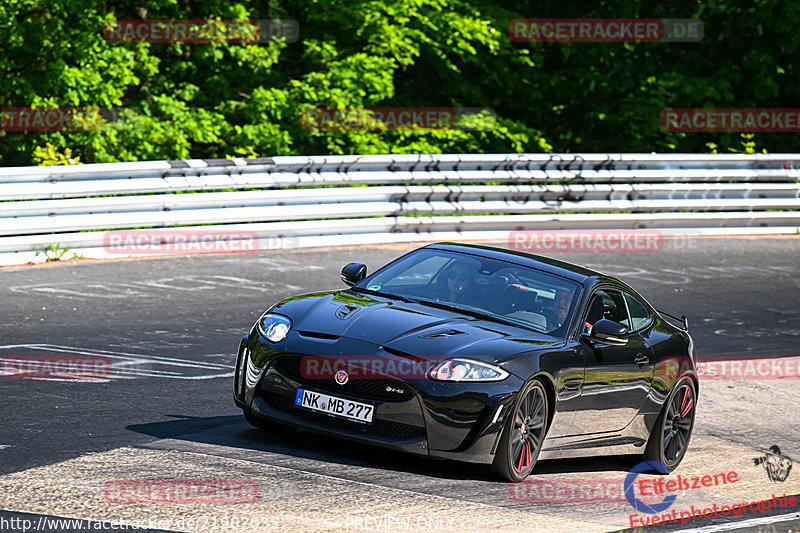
<point>682,319</point>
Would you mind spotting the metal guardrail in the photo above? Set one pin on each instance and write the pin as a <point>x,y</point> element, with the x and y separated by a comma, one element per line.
<point>329,200</point>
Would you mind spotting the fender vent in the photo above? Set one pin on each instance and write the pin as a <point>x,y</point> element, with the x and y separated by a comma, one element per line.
<point>318,335</point>
<point>441,333</point>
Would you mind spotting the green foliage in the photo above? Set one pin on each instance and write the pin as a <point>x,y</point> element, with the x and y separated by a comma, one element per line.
<point>53,253</point>
<point>220,99</point>
<point>48,156</point>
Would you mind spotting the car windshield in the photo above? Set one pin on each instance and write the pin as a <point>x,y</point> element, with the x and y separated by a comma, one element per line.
<point>479,285</point>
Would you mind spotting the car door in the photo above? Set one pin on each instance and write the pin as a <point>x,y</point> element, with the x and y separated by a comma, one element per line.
<point>617,378</point>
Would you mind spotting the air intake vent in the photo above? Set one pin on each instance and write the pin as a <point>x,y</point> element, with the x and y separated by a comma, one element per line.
<point>318,335</point>
<point>441,333</point>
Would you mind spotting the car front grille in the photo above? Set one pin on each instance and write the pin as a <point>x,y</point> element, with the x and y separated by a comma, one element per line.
<point>378,427</point>
<point>383,389</point>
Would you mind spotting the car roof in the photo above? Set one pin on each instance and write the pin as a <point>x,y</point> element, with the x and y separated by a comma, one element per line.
<point>582,275</point>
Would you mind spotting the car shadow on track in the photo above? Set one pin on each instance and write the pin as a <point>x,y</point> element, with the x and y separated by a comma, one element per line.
<point>297,448</point>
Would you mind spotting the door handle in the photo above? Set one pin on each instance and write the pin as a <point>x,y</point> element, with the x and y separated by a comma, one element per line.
<point>641,359</point>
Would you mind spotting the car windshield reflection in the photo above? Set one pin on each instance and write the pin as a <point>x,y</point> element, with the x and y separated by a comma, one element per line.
<point>480,286</point>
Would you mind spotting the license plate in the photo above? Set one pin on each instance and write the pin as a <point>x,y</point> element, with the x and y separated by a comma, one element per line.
<point>333,405</point>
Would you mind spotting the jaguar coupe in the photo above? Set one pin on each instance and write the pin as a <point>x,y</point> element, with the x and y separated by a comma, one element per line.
<point>477,354</point>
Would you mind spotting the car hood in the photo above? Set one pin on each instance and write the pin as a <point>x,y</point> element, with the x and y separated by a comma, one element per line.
<point>410,328</point>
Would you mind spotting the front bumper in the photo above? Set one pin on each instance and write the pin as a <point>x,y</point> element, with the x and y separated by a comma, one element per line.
<point>459,421</point>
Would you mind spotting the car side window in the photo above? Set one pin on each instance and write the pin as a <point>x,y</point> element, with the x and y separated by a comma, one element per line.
<point>606,304</point>
<point>639,314</point>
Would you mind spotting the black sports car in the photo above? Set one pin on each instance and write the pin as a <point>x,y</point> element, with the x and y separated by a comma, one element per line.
<point>476,354</point>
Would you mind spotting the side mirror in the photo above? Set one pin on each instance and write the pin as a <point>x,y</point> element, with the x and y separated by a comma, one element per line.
<point>608,332</point>
<point>353,273</point>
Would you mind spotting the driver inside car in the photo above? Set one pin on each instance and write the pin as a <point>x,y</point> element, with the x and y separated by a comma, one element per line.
<point>561,304</point>
<point>459,278</point>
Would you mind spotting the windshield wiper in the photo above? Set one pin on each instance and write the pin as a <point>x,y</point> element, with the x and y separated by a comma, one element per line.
<point>469,312</point>
<point>384,294</point>
<point>446,307</point>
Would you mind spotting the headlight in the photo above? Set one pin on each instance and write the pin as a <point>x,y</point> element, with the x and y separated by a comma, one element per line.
<point>466,370</point>
<point>274,327</point>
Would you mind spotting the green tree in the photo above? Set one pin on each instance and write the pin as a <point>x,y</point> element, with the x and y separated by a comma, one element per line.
<point>217,99</point>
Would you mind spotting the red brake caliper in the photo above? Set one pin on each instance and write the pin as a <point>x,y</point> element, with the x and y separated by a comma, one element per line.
<point>686,406</point>
<point>524,457</point>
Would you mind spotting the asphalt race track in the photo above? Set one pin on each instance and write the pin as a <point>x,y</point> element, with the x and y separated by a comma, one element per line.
<point>170,327</point>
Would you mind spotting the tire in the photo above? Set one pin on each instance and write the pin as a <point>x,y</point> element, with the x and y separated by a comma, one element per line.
<point>672,431</point>
<point>523,434</point>
<point>261,423</point>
